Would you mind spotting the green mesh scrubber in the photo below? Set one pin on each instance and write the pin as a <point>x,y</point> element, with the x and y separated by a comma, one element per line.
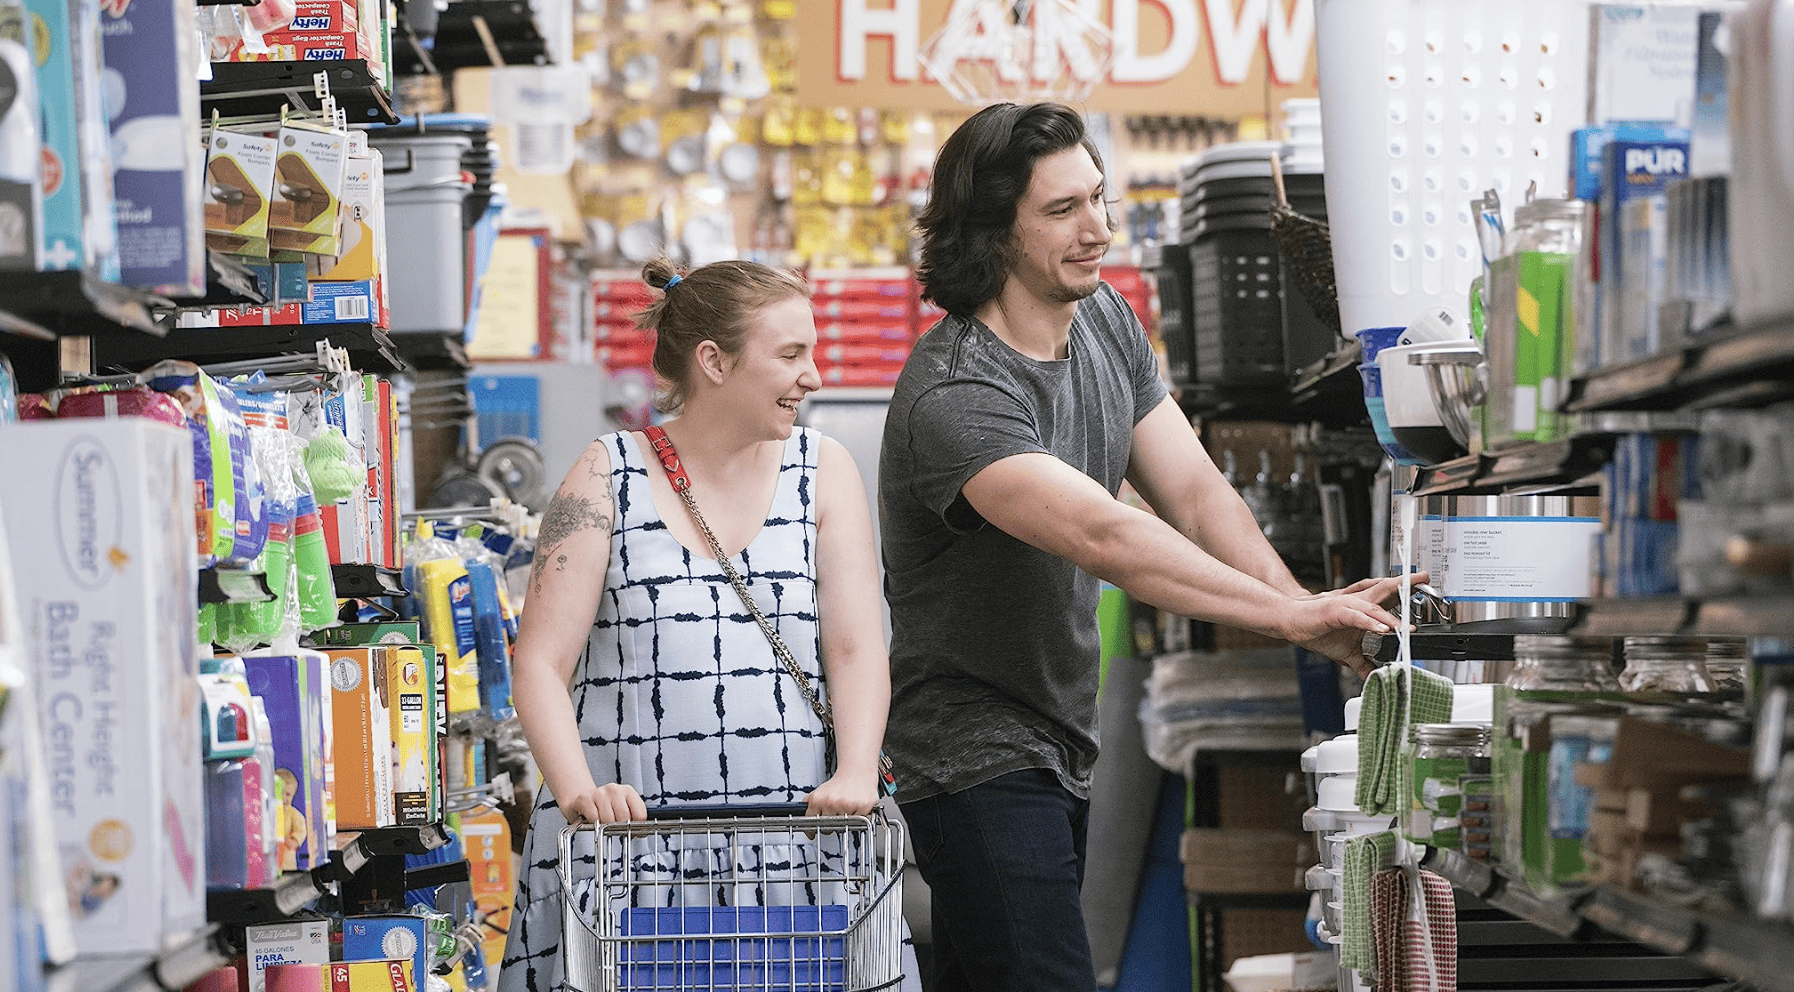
<point>327,462</point>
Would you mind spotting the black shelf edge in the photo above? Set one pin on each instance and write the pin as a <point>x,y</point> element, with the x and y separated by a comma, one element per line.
<point>384,841</point>
<point>229,283</point>
<point>233,585</point>
<point>177,967</point>
<point>78,303</point>
<point>1549,466</point>
<point>1699,372</point>
<point>369,347</point>
<point>457,43</point>
<point>433,352</point>
<point>1503,893</point>
<point>249,89</point>
<point>267,904</point>
<point>356,581</point>
<point>1312,377</point>
<point>1487,640</point>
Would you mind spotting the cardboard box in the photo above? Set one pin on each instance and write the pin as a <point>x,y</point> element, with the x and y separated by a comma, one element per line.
<point>331,303</point>
<point>152,58</point>
<point>486,838</point>
<point>362,255</point>
<point>291,688</point>
<point>104,526</point>
<point>371,976</point>
<point>362,743</point>
<point>359,634</point>
<point>298,942</point>
<point>1245,861</point>
<point>309,169</point>
<point>239,184</point>
<point>79,231</point>
<point>417,776</point>
<point>1641,59</point>
<point>386,938</point>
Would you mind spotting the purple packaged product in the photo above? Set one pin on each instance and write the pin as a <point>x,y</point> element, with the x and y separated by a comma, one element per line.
<point>151,54</point>
<point>251,512</point>
<point>292,691</point>
<point>227,830</point>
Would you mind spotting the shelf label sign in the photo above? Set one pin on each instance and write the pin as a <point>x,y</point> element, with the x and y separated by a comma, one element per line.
<point>1509,559</point>
<point>1211,58</point>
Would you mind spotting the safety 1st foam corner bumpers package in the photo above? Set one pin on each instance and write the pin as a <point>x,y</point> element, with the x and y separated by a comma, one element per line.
<point>102,523</point>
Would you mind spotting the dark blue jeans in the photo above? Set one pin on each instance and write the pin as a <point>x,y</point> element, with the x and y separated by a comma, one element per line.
<point>1005,862</point>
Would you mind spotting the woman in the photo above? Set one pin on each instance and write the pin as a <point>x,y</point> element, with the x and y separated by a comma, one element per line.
<point>677,697</point>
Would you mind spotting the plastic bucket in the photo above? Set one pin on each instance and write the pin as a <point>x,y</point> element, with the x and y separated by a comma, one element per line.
<point>426,239</point>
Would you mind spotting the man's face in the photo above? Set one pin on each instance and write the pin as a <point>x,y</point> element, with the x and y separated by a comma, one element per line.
<point>1061,229</point>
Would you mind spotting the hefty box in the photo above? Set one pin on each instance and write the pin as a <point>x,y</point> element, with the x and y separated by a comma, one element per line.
<point>292,691</point>
<point>152,58</point>
<point>103,524</point>
<point>79,231</point>
<point>361,743</point>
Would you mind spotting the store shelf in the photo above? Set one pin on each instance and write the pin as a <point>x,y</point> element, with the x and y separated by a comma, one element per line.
<point>175,968</point>
<point>259,89</point>
<point>1762,615</point>
<point>402,840</point>
<point>1328,391</point>
<point>1482,640</point>
<point>75,303</point>
<point>366,581</point>
<point>369,347</point>
<point>268,903</point>
<point>1566,466</point>
<point>433,352</point>
<point>233,585</point>
<point>1739,367</point>
<point>1751,950</point>
<point>1332,372</point>
<point>229,283</point>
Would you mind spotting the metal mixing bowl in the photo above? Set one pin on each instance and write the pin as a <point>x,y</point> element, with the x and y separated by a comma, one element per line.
<point>1459,381</point>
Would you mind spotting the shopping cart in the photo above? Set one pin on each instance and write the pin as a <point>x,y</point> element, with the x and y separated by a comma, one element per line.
<point>733,898</point>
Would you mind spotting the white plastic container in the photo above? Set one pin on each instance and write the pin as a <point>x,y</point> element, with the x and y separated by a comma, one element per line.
<point>1424,105</point>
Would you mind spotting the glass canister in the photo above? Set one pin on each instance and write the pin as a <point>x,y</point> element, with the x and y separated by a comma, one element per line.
<point>1562,663</point>
<point>1445,756</point>
<point>1666,664</point>
<point>1728,663</point>
<point>1525,327</point>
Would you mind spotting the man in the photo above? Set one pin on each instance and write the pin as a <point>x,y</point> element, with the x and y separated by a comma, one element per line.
<point>1011,429</point>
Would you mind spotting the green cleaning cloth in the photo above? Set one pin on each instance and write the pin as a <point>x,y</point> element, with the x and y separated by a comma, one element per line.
<point>1395,698</point>
<point>1364,857</point>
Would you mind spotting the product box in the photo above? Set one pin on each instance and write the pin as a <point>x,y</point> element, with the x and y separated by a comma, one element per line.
<point>104,526</point>
<point>389,480</point>
<point>348,523</point>
<point>371,976</point>
<point>362,746</point>
<point>359,634</point>
<point>298,942</point>
<point>1641,59</point>
<point>331,303</point>
<point>291,688</point>
<point>79,230</point>
<point>152,58</point>
<point>21,171</point>
<point>1639,163</point>
<point>239,182</point>
<point>385,938</point>
<point>417,792</point>
<point>373,425</point>
<point>362,254</point>
<point>309,170</point>
<point>486,838</point>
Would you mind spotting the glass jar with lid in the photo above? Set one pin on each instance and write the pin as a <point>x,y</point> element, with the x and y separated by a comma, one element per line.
<point>1526,345</point>
<point>1666,664</point>
<point>1450,761</point>
<point>1563,663</point>
<point>1728,663</point>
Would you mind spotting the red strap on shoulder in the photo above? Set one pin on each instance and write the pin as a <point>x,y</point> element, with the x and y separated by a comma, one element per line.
<point>669,459</point>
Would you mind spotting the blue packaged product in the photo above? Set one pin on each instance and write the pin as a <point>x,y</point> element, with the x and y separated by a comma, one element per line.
<point>79,231</point>
<point>489,642</point>
<point>227,832</point>
<point>1639,161</point>
<point>386,938</point>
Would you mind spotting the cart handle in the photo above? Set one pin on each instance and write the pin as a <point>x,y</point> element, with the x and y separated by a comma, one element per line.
<point>725,811</point>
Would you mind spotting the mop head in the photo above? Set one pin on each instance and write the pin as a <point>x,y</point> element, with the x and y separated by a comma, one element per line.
<point>327,461</point>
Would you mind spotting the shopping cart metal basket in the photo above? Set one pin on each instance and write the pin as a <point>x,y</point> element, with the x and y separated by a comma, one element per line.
<point>733,898</point>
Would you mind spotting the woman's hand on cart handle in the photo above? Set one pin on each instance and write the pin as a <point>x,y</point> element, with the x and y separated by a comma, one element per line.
<point>613,803</point>
<point>844,795</point>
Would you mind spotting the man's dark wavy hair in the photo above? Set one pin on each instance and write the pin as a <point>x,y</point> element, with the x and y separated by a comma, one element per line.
<point>980,175</point>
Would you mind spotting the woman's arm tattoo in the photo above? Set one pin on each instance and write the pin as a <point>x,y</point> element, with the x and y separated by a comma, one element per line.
<point>566,515</point>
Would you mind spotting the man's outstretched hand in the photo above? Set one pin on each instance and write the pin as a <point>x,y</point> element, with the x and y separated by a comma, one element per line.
<point>1334,623</point>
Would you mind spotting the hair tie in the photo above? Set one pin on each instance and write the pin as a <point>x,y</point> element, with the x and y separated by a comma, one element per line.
<point>671,283</point>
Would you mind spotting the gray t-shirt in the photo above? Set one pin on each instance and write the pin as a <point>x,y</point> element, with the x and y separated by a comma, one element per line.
<point>995,652</point>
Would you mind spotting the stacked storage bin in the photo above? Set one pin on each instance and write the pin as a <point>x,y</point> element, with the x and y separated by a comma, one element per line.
<point>617,296</point>
<point>1236,311</point>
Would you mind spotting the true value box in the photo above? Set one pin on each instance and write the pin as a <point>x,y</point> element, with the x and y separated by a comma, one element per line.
<point>103,525</point>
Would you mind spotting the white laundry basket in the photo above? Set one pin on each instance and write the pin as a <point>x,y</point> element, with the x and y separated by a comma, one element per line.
<point>1424,105</point>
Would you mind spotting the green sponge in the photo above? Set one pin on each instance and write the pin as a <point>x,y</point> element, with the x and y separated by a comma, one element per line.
<point>327,461</point>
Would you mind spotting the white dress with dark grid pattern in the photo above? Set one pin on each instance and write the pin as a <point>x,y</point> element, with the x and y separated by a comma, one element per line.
<point>679,693</point>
